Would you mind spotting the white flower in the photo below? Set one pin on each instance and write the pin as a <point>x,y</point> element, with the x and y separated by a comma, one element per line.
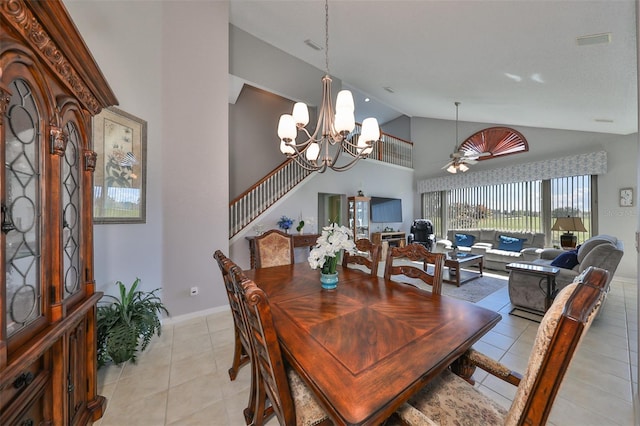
<point>332,241</point>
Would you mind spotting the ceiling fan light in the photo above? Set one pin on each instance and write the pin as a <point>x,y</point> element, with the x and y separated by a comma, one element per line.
<point>452,169</point>
<point>463,167</point>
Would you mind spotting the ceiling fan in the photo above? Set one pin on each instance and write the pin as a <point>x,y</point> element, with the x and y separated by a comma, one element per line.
<point>460,159</point>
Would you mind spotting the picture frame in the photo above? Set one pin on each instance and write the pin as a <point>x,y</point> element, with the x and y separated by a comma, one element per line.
<point>626,197</point>
<point>119,180</point>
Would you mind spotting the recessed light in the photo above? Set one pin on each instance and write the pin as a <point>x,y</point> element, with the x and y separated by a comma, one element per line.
<point>588,40</point>
<point>367,99</point>
<point>312,44</point>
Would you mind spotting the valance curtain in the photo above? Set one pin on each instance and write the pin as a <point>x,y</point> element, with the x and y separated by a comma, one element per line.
<point>594,163</point>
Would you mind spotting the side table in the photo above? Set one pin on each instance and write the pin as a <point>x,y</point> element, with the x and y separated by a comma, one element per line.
<point>544,272</point>
<point>299,240</point>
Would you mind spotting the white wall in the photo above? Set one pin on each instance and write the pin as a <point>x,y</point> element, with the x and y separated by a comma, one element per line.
<point>167,63</point>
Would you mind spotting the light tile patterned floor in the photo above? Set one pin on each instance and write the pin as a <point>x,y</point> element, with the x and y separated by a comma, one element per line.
<point>182,378</point>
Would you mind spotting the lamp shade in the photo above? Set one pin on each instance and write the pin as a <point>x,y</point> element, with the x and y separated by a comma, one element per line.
<point>300,113</point>
<point>344,100</point>
<point>569,224</point>
<point>370,130</point>
<point>287,128</point>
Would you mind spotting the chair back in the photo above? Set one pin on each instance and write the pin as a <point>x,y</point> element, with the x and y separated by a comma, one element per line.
<point>273,248</point>
<point>269,364</point>
<point>370,260</point>
<point>421,232</point>
<point>559,334</point>
<point>416,253</point>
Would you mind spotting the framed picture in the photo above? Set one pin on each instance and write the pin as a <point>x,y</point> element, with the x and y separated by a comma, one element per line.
<point>119,181</point>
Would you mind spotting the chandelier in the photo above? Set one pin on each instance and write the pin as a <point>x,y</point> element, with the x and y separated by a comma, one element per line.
<point>332,135</point>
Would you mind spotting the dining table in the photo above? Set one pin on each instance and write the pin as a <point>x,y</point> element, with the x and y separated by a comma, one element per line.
<point>364,348</point>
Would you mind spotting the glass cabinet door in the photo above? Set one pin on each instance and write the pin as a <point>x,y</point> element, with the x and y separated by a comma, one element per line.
<point>71,212</point>
<point>359,217</point>
<point>21,219</point>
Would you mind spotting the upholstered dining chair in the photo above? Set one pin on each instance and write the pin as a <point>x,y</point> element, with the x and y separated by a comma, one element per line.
<point>273,248</point>
<point>416,253</point>
<point>280,390</point>
<point>242,345</point>
<point>449,399</point>
<point>370,260</point>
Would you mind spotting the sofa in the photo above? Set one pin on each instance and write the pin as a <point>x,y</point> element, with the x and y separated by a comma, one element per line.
<point>499,248</point>
<point>602,251</point>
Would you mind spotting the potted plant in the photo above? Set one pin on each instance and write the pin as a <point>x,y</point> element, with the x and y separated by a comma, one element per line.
<point>127,324</point>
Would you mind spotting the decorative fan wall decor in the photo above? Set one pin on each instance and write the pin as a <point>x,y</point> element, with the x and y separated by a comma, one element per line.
<point>494,142</point>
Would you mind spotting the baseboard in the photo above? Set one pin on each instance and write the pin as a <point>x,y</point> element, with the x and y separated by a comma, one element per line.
<point>181,318</point>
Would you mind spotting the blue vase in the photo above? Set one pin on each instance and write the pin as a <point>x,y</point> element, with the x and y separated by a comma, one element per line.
<point>329,281</point>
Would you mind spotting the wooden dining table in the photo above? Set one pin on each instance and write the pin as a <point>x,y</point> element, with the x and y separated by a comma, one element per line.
<point>367,346</point>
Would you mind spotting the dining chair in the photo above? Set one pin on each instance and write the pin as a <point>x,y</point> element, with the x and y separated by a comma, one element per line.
<point>242,344</point>
<point>416,253</point>
<point>368,255</point>
<point>273,248</point>
<point>449,399</point>
<point>280,390</point>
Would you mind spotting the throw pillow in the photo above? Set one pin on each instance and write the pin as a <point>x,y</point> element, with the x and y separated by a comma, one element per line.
<point>464,240</point>
<point>566,260</point>
<point>511,243</point>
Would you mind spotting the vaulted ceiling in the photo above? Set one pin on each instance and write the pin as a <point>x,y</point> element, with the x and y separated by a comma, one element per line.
<point>512,63</point>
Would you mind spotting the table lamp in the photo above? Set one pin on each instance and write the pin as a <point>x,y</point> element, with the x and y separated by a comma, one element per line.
<point>568,224</point>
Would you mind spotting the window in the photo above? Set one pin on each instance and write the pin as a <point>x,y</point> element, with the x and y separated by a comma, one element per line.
<point>518,206</point>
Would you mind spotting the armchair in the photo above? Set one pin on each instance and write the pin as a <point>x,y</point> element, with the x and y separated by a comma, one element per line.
<point>421,232</point>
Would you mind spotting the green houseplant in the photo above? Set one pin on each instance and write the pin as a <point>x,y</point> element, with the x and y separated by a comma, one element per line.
<point>127,324</point>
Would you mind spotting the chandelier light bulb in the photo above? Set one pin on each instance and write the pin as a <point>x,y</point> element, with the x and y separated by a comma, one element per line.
<point>313,151</point>
<point>345,121</point>
<point>345,101</point>
<point>287,128</point>
<point>300,114</point>
<point>285,148</point>
<point>370,130</point>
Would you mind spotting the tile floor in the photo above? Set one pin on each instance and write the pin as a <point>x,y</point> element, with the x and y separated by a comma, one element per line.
<point>182,378</point>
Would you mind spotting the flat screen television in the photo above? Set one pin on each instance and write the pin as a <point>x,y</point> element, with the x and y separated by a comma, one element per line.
<point>386,210</point>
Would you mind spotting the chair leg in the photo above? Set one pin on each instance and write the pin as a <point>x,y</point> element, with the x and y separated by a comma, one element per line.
<point>240,357</point>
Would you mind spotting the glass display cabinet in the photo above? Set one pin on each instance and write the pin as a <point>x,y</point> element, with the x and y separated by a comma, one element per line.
<point>359,216</point>
<point>49,89</point>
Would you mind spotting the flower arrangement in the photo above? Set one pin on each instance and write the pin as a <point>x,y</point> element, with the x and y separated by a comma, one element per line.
<point>285,223</point>
<point>333,239</point>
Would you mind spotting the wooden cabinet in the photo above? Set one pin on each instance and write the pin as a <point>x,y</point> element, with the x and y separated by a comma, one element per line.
<point>50,87</point>
<point>359,216</point>
<point>386,239</point>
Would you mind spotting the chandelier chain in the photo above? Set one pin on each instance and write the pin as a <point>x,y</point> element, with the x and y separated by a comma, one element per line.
<point>326,35</point>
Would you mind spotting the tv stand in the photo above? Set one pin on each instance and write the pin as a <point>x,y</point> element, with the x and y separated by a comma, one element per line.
<point>386,239</point>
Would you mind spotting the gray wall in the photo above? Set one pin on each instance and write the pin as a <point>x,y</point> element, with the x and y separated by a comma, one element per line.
<point>167,63</point>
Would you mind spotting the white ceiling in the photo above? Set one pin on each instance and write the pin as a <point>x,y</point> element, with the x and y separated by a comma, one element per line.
<point>512,62</point>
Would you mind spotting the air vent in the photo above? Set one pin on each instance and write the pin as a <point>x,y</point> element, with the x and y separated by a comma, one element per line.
<point>603,120</point>
<point>589,40</point>
<point>389,89</point>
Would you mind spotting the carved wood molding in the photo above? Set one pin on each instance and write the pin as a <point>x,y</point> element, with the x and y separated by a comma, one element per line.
<point>90,160</point>
<point>26,23</point>
<point>58,141</point>
<point>5,97</point>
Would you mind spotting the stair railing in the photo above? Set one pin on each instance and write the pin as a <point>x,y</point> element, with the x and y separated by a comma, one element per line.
<point>263,194</point>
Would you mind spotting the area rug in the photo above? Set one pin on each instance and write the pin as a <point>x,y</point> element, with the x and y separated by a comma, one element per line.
<point>471,291</point>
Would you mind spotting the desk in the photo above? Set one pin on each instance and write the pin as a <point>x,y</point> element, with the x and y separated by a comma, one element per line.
<point>366,347</point>
<point>299,240</point>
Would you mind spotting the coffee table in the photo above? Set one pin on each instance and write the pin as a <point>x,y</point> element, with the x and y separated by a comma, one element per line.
<point>455,265</point>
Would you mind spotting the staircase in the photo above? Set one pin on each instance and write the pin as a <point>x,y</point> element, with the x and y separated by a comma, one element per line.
<point>264,193</point>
